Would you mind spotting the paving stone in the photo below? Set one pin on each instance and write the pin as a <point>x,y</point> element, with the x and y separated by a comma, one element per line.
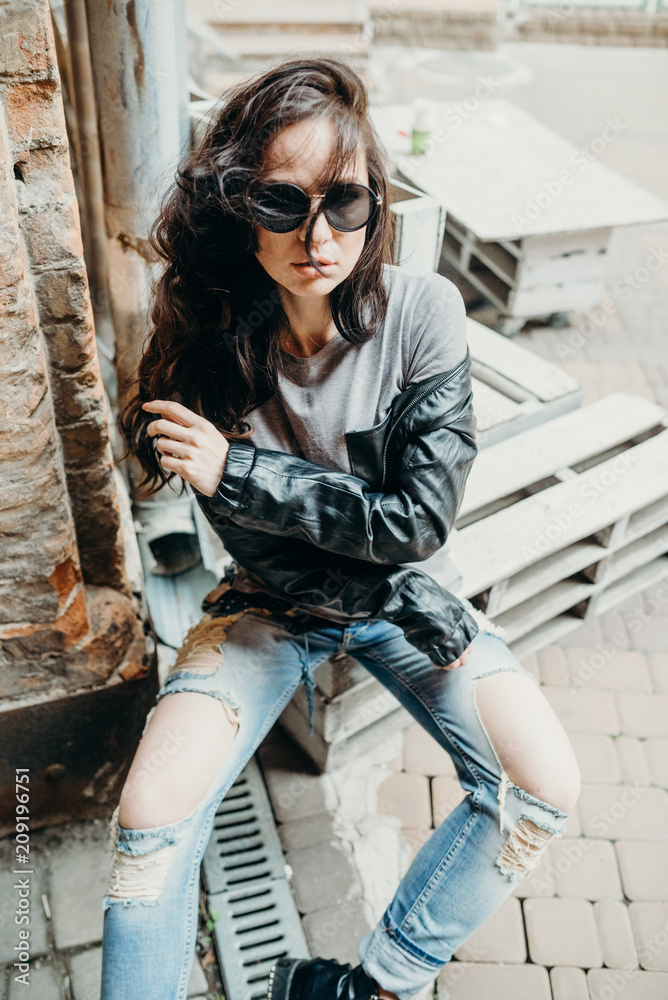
<point>643,865</point>
<point>584,869</point>
<point>624,812</point>
<point>562,932</point>
<point>197,984</point>
<point>79,864</point>
<point>650,927</point>
<point>643,714</point>
<point>9,900</point>
<point>322,875</point>
<point>407,797</point>
<point>414,837</point>
<point>553,665</point>
<point>532,664</point>
<point>294,788</point>
<point>615,934</point>
<point>656,754</point>
<point>446,794</point>
<point>584,709</point>
<point>651,635</point>
<point>573,827</point>
<point>539,883</point>
<point>45,982</point>
<point>596,757</point>
<point>86,973</point>
<point>423,755</point>
<point>336,931</point>
<point>499,939</point>
<point>590,632</point>
<point>627,984</point>
<point>568,983</point>
<point>306,832</point>
<point>478,980</point>
<point>631,754</point>
<point>609,668</point>
<point>658,668</point>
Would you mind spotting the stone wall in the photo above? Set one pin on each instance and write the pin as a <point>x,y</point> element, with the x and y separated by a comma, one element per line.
<point>69,621</point>
<point>575,24</point>
<point>442,24</point>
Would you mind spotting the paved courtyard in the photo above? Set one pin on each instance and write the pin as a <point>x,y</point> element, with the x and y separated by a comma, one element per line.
<point>591,923</point>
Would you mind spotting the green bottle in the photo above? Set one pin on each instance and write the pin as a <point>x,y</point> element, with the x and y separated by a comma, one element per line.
<point>422,125</point>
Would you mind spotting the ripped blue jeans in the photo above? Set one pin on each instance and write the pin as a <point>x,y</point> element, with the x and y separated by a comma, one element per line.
<point>254,662</point>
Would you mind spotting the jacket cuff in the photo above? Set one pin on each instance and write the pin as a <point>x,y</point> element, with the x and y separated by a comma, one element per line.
<point>451,649</point>
<point>229,494</point>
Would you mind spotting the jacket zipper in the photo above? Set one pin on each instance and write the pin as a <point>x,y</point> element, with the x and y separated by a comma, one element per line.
<point>446,377</point>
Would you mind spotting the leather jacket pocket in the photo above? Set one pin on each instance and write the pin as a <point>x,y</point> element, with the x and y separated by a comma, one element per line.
<point>365,450</point>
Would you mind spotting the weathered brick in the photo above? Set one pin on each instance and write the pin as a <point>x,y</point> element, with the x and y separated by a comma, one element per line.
<point>293,790</point>
<point>71,344</point>
<point>45,177</point>
<point>34,114</point>
<point>562,932</point>
<point>62,295</point>
<point>307,831</point>
<point>53,237</point>
<point>26,47</point>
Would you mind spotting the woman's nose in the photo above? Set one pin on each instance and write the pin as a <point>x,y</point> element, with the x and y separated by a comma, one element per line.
<point>321,230</point>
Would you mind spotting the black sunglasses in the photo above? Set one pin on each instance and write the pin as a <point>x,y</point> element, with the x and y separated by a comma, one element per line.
<point>282,207</point>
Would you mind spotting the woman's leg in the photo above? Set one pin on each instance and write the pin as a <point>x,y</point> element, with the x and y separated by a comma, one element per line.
<point>232,678</point>
<point>517,766</point>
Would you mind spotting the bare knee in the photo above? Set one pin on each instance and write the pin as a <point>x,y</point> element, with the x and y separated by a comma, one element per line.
<point>186,740</point>
<point>528,738</point>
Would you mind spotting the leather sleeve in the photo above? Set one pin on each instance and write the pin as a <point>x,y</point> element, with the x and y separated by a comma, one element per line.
<point>281,494</point>
<point>432,619</point>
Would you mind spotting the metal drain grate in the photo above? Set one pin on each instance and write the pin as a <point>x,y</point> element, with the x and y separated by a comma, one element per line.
<point>247,886</point>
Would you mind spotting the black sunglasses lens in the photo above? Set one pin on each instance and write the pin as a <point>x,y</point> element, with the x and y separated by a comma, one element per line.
<point>280,208</point>
<point>349,206</point>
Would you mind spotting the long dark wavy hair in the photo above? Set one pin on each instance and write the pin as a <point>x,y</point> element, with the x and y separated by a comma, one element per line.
<point>216,315</point>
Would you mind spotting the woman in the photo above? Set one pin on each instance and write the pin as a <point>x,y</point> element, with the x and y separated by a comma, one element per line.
<point>318,400</point>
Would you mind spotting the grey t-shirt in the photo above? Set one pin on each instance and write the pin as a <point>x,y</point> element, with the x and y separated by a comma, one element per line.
<point>346,387</point>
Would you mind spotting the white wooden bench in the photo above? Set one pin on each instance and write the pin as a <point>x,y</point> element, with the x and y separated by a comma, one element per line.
<point>559,523</point>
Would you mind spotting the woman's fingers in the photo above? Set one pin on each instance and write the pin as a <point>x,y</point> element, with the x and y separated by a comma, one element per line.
<point>179,413</point>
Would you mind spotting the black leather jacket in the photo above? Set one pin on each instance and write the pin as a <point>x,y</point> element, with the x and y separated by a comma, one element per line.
<point>327,541</point>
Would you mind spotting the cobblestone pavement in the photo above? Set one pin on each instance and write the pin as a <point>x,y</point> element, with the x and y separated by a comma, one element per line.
<point>591,923</point>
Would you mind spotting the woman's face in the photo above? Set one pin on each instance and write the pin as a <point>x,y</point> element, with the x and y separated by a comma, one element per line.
<point>298,154</point>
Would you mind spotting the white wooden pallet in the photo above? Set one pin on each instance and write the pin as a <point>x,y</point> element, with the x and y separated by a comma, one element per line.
<point>600,475</point>
<point>529,215</point>
<point>514,389</point>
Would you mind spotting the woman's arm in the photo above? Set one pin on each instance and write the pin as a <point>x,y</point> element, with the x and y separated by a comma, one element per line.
<point>281,494</point>
<point>433,620</point>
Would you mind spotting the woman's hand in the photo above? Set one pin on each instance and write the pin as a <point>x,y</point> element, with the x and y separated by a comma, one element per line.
<point>457,663</point>
<point>190,445</point>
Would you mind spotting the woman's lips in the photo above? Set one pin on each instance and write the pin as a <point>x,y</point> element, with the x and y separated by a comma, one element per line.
<point>308,269</point>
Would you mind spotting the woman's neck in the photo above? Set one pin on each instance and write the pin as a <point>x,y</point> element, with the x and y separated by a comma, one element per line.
<point>310,324</point>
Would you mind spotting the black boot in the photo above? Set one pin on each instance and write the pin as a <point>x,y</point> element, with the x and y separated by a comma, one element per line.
<point>319,979</point>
